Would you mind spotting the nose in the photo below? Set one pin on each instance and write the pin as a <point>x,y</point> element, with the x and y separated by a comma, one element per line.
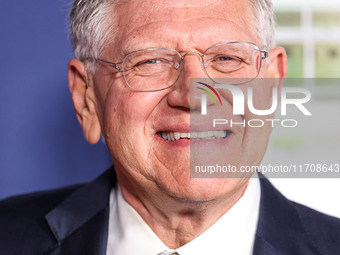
<point>192,66</point>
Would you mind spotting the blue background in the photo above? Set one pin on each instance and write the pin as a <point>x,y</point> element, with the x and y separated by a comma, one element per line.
<point>41,142</point>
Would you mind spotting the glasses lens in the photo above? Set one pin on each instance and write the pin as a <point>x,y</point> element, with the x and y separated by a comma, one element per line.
<point>239,61</point>
<point>151,69</point>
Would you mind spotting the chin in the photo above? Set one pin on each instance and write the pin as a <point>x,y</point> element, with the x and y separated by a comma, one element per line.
<point>204,189</point>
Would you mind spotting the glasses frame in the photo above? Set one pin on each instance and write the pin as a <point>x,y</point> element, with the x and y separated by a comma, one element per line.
<point>116,65</point>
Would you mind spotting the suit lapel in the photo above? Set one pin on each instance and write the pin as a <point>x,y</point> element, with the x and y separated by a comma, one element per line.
<point>280,230</point>
<point>80,223</point>
<point>261,247</point>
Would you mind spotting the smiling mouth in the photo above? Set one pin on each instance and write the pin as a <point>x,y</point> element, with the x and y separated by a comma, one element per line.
<point>173,136</point>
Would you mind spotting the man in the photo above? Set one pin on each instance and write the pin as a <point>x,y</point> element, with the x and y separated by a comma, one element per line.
<point>131,83</point>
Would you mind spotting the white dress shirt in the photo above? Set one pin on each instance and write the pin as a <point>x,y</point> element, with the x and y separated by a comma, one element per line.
<point>233,233</point>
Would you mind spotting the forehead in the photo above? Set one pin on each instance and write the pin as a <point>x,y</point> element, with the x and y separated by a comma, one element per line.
<point>178,23</point>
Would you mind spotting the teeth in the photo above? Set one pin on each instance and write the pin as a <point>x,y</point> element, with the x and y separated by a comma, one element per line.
<point>177,135</point>
<point>164,135</point>
<point>173,136</point>
<point>185,135</point>
<point>202,135</point>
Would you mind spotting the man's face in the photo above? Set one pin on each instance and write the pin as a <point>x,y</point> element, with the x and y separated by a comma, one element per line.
<point>132,121</point>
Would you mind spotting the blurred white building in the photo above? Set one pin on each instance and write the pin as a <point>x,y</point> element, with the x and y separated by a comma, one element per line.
<point>309,30</point>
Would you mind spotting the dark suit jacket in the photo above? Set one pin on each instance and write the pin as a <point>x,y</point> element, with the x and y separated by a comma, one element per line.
<point>74,220</point>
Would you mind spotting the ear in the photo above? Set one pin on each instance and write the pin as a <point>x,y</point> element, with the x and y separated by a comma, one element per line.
<point>278,63</point>
<point>83,100</point>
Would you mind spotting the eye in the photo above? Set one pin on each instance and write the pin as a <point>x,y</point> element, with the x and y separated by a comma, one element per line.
<point>228,60</point>
<point>148,63</point>
<point>225,58</point>
<point>151,61</point>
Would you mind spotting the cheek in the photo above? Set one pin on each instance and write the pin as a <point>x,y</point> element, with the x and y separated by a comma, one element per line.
<point>124,108</point>
<point>127,125</point>
<point>261,98</point>
<point>258,128</point>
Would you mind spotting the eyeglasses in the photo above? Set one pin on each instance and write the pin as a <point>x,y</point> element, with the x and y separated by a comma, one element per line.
<point>156,69</point>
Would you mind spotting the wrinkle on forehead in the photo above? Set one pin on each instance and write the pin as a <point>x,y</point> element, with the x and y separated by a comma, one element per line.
<point>163,10</point>
<point>179,38</point>
<point>134,15</point>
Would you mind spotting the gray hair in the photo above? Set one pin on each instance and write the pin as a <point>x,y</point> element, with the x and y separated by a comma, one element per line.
<point>92,25</point>
<point>90,28</point>
<point>264,22</point>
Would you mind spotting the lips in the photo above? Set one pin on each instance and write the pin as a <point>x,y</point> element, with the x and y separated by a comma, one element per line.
<point>174,136</point>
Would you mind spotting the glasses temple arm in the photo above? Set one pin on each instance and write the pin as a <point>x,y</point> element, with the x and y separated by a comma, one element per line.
<point>116,65</point>
<point>265,54</point>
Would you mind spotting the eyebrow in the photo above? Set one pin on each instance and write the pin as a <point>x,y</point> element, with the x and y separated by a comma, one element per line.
<point>129,49</point>
<point>143,43</point>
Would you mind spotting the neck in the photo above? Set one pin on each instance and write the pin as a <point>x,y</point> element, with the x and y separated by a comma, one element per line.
<point>174,220</point>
